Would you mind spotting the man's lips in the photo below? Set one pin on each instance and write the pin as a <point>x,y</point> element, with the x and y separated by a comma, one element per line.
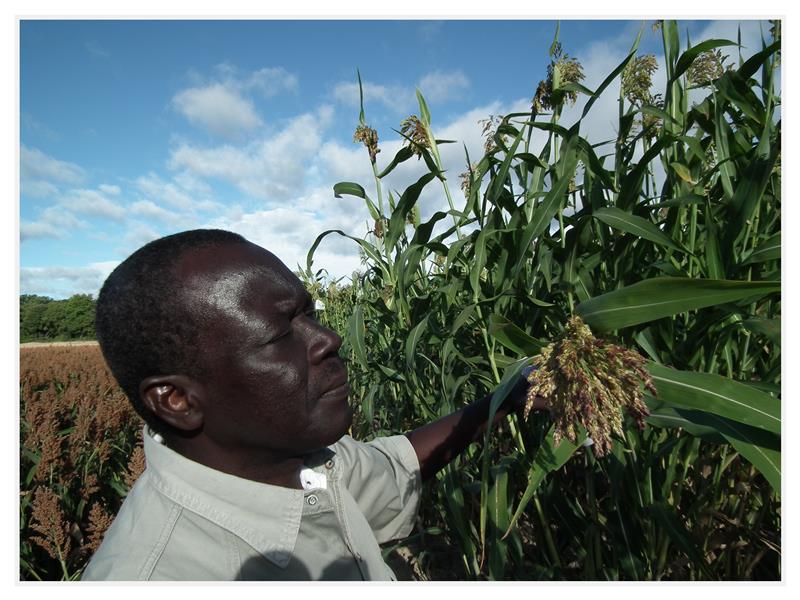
<point>338,387</point>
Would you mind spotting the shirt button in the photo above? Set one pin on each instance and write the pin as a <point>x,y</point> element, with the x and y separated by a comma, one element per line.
<point>312,500</point>
<point>329,464</point>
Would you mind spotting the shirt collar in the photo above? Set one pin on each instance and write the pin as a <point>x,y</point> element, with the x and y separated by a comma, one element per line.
<point>265,516</point>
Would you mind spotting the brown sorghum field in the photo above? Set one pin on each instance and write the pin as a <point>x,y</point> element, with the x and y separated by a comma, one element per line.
<point>80,451</point>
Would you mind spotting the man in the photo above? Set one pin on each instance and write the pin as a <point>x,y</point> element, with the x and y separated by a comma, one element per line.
<point>250,473</point>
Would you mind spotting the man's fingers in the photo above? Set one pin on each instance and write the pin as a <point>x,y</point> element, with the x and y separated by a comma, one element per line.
<point>539,403</point>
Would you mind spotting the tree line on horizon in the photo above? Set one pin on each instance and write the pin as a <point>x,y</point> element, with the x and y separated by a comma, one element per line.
<point>42,318</point>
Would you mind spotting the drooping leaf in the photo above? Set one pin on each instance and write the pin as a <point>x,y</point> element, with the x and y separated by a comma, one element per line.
<point>397,221</point>
<point>624,221</point>
<point>769,328</point>
<point>512,337</point>
<point>687,58</point>
<point>718,395</point>
<point>548,458</point>
<point>663,297</point>
<point>769,249</point>
<point>356,330</point>
<point>761,448</point>
<point>349,188</point>
<point>402,155</point>
<point>412,341</point>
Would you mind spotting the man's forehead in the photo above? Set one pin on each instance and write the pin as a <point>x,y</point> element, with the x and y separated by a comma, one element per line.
<point>230,276</point>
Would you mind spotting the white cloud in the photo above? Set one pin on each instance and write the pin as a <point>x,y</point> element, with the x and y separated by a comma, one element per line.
<point>436,86</point>
<point>95,49</point>
<point>62,282</point>
<point>139,234</point>
<point>397,98</point>
<point>111,190</point>
<point>92,203</point>
<point>439,86</point>
<point>54,222</point>
<point>184,192</point>
<point>36,230</point>
<point>37,188</point>
<point>289,233</point>
<point>219,109</point>
<point>36,166</point>
<point>271,81</point>
<point>272,168</point>
<point>151,210</point>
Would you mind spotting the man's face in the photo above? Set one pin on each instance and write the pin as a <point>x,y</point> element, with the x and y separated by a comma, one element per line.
<point>271,372</point>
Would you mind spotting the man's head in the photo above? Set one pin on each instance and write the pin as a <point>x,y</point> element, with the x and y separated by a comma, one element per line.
<point>211,335</point>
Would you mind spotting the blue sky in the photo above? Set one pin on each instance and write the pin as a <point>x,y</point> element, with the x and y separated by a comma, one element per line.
<point>130,130</point>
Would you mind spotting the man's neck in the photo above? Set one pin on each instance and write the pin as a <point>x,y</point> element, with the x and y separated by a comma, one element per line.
<point>264,466</point>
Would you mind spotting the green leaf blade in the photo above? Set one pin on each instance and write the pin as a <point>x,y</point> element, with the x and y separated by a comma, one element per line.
<point>661,297</point>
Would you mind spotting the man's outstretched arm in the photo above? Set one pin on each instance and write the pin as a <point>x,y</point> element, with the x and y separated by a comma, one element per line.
<point>440,441</point>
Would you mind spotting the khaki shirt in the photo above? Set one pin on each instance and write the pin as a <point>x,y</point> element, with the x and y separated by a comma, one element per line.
<point>185,521</point>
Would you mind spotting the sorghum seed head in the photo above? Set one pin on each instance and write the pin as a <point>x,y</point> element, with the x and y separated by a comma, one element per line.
<point>588,383</point>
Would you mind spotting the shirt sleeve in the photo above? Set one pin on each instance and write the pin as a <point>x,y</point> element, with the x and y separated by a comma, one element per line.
<point>383,476</point>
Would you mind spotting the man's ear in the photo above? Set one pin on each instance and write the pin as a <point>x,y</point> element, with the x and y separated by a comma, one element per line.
<point>175,399</point>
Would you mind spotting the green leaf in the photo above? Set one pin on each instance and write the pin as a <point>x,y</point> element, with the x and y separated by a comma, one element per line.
<point>631,187</point>
<point>624,221</point>
<point>769,328</point>
<point>499,179</point>
<point>661,297</point>
<point>512,337</point>
<point>510,378</point>
<point>478,262</point>
<point>663,415</point>
<point>611,77</point>
<point>356,330</point>
<point>714,264</point>
<point>718,395</point>
<point>412,340</point>
<point>687,58</point>
<point>397,222</point>
<point>348,188</point>
<point>361,118</point>
<point>750,188</point>
<point>665,516</point>
<point>682,201</point>
<point>759,447</point>
<point>402,155</point>
<point>548,459</point>
<point>424,113</point>
<point>683,172</point>
<point>767,250</point>
<point>531,160</point>
<point>499,518</point>
<point>368,248</point>
<point>658,112</point>
<point>544,212</point>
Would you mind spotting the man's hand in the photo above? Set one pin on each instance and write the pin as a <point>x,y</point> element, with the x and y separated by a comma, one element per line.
<point>439,442</point>
<point>518,396</point>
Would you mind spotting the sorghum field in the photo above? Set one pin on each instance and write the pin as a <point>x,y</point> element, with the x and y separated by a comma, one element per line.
<point>664,241</point>
<point>80,453</point>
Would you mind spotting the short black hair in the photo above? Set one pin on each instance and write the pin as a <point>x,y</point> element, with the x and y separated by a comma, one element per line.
<point>143,325</point>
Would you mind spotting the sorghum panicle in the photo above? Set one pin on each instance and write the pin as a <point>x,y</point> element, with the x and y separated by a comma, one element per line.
<point>415,130</point>
<point>588,383</point>
<point>369,137</point>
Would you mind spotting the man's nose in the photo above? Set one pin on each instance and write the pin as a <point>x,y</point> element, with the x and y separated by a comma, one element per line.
<point>324,343</point>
